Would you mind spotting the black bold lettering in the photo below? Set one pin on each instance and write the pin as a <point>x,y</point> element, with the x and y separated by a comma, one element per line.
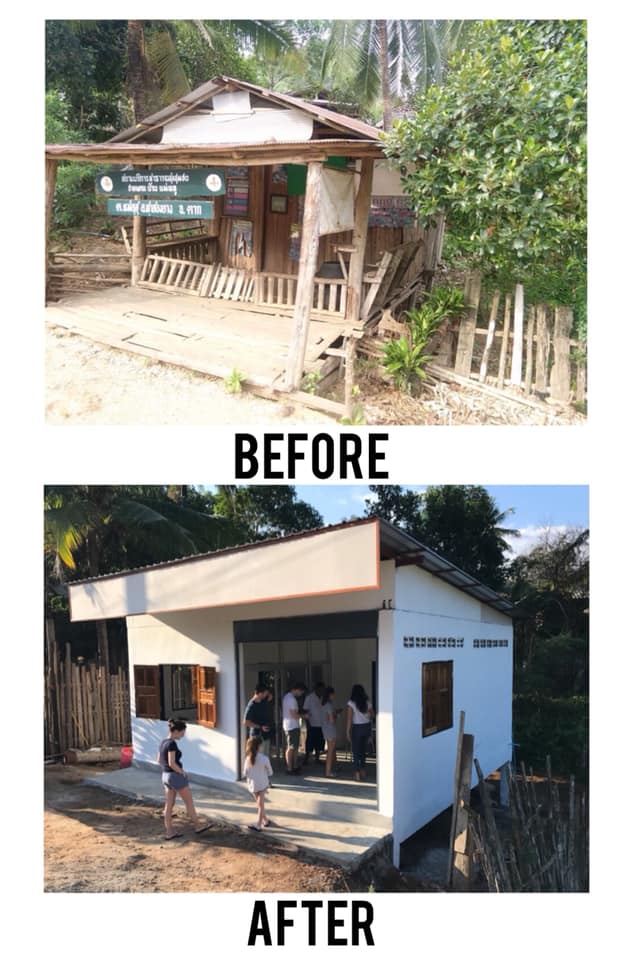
<point>311,906</point>
<point>270,455</point>
<point>246,446</point>
<point>282,920</point>
<point>375,455</point>
<point>293,453</point>
<point>350,456</point>
<point>333,922</point>
<point>260,925</point>
<point>327,440</point>
<point>365,924</point>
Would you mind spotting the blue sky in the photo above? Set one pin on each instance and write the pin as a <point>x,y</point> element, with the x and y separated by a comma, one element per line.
<point>536,508</point>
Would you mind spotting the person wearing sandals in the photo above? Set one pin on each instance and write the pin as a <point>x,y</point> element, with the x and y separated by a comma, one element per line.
<point>175,782</point>
<point>359,717</point>
<point>329,717</point>
<point>257,770</point>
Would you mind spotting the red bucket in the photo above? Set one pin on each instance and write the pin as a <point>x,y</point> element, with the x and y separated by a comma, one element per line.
<point>126,756</point>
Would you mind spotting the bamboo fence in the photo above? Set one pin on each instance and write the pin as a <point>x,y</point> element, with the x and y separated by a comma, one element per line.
<point>545,849</point>
<point>84,706</point>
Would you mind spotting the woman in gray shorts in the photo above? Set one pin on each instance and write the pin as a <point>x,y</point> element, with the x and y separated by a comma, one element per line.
<point>175,780</point>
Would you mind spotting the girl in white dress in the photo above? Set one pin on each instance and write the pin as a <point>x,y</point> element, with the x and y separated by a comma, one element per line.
<point>257,770</point>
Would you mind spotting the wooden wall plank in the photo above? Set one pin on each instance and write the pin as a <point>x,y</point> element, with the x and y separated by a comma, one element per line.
<point>560,378</point>
<point>543,341</point>
<point>495,303</point>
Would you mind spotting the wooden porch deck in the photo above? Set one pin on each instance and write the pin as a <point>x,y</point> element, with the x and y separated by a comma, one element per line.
<point>209,336</point>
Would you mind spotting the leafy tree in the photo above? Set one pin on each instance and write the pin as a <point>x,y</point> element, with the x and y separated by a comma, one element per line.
<point>550,586</point>
<point>500,149</point>
<point>463,523</point>
<point>264,512</point>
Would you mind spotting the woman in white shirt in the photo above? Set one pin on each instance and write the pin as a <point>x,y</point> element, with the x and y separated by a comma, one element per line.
<point>257,770</point>
<point>359,717</point>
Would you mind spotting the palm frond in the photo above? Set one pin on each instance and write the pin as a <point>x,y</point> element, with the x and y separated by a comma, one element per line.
<point>265,36</point>
<point>163,57</point>
<point>65,528</point>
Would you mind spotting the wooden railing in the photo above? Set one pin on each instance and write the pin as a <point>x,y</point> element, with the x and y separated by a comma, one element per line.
<point>279,290</point>
<point>199,249</point>
<point>168,273</point>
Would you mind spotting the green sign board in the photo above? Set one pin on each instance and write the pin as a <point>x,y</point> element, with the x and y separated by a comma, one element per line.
<point>187,210</point>
<point>201,182</point>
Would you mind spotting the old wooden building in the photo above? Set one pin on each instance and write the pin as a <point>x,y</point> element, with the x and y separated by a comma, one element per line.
<point>304,238</point>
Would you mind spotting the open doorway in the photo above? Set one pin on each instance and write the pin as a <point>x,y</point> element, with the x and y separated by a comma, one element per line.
<point>338,661</point>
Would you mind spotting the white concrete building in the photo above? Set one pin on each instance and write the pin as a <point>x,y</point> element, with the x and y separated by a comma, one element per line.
<point>360,602</point>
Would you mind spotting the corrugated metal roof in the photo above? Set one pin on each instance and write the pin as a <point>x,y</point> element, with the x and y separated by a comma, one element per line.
<point>219,85</point>
<point>395,544</point>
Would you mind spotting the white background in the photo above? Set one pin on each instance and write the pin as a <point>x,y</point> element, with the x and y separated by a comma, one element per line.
<point>603,454</point>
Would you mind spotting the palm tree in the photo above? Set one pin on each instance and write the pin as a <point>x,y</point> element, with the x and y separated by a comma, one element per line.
<point>158,55</point>
<point>93,530</point>
<point>391,58</point>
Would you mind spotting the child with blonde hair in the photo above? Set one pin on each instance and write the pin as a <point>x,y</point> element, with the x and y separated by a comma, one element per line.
<point>257,770</point>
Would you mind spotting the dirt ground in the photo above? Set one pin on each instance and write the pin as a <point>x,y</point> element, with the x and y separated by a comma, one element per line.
<point>98,842</point>
<point>87,383</point>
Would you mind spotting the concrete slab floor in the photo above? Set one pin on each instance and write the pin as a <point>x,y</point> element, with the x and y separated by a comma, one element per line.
<point>339,825</point>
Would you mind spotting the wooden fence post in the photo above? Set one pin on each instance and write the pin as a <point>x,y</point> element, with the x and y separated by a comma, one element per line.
<point>51,167</point>
<point>139,248</point>
<point>518,327</point>
<point>490,334</point>
<point>466,333</point>
<point>308,263</point>
<point>528,376</point>
<point>504,349</point>
<point>560,379</point>
<point>542,348</point>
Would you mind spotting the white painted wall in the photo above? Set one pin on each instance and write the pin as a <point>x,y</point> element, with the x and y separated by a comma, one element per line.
<point>423,767</point>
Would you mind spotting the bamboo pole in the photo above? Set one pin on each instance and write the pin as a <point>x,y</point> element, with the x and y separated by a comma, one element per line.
<point>490,335</point>
<point>518,329</point>
<point>308,262</point>
<point>492,831</point>
<point>528,376</point>
<point>69,706</point>
<point>542,348</point>
<point>360,230</point>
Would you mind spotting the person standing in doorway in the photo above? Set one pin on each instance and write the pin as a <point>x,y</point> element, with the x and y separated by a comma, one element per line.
<point>329,718</point>
<point>175,782</point>
<point>359,717</point>
<point>256,714</point>
<point>313,709</point>
<point>291,716</point>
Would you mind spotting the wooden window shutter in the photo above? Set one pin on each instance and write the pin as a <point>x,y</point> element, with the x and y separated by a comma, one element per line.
<point>147,691</point>
<point>206,696</point>
<point>437,696</point>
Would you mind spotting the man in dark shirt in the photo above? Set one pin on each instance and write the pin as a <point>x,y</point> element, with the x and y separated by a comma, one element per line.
<point>256,714</point>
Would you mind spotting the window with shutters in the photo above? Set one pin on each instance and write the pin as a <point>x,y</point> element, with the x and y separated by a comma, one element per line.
<point>206,696</point>
<point>183,691</point>
<point>437,696</point>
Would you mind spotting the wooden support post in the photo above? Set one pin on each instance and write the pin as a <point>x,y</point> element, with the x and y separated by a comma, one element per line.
<point>51,167</point>
<point>360,229</point>
<point>504,349</point>
<point>308,262</point>
<point>466,334</point>
<point>495,303</point>
<point>560,379</point>
<point>454,808</point>
<point>518,330</point>
<point>504,785</point>
<point>462,863</point>
<point>139,248</point>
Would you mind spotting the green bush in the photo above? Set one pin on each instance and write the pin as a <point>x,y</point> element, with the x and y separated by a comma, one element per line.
<point>405,358</point>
